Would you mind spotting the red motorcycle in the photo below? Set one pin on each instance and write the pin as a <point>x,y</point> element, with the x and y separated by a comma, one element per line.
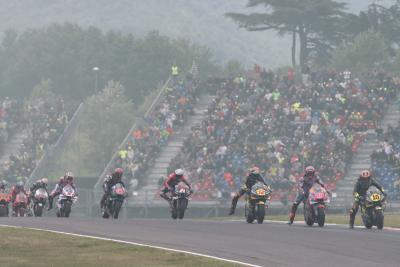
<point>315,205</point>
<point>20,205</point>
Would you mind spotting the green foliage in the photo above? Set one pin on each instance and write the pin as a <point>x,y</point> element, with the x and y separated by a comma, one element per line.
<point>108,117</point>
<point>316,22</point>
<point>67,53</point>
<point>233,68</point>
<point>368,50</point>
<point>43,91</point>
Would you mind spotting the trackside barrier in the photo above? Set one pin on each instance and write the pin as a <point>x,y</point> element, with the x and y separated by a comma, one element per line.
<point>52,151</point>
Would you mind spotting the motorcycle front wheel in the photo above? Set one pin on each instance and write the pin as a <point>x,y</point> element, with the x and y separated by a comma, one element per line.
<point>37,210</point>
<point>260,213</point>
<point>321,217</point>
<point>379,219</point>
<point>181,207</point>
<point>116,209</point>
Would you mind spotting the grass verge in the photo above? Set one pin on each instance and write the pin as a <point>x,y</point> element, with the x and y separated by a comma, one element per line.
<point>24,247</point>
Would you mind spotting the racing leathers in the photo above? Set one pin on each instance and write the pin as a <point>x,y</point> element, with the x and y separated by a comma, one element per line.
<point>251,179</point>
<point>108,183</point>
<point>58,190</point>
<point>170,183</point>
<point>36,186</point>
<point>14,192</point>
<point>305,185</point>
<point>359,192</point>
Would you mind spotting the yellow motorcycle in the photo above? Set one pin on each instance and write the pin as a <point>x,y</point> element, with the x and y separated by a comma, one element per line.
<point>372,208</point>
<point>257,200</point>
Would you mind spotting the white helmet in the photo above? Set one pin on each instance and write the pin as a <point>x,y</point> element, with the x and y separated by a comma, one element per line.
<point>44,180</point>
<point>179,172</point>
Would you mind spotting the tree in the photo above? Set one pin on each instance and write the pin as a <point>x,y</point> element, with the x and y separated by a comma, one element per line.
<point>367,50</point>
<point>108,116</point>
<point>66,54</point>
<point>379,18</point>
<point>315,22</point>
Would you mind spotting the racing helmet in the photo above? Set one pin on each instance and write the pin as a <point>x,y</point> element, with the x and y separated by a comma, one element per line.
<point>365,174</point>
<point>69,177</point>
<point>179,172</point>
<point>117,175</point>
<point>254,170</point>
<point>310,171</point>
<point>44,181</point>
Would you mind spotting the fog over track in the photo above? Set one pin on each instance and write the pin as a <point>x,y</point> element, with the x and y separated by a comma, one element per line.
<point>269,244</point>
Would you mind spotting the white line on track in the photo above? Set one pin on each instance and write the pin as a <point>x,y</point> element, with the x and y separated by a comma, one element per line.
<point>134,243</point>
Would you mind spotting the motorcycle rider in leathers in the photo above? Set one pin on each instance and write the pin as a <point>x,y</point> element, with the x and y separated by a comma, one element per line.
<point>360,190</point>
<point>68,178</point>
<point>108,183</point>
<point>252,178</point>
<point>173,179</point>
<point>308,180</point>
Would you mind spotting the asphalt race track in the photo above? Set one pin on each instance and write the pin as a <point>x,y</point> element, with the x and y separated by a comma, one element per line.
<point>269,244</point>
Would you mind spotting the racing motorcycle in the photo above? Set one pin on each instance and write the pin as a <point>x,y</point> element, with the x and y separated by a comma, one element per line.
<point>256,202</point>
<point>39,201</point>
<point>114,201</point>
<point>67,197</point>
<point>20,204</point>
<point>315,205</point>
<point>4,201</point>
<point>372,209</point>
<point>179,201</point>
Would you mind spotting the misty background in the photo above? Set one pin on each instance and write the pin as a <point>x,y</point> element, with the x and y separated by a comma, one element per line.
<point>202,22</point>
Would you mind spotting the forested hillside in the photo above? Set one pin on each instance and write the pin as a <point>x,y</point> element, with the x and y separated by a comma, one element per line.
<point>201,21</point>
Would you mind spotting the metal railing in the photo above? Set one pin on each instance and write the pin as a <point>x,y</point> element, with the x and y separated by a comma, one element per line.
<point>50,152</point>
<point>134,126</point>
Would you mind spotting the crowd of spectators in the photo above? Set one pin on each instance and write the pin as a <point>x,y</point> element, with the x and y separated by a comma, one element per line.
<point>281,125</point>
<point>386,162</point>
<point>43,122</point>
<point>145,142</point>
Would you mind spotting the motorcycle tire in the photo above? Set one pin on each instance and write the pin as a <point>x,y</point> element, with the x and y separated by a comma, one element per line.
<point>174,212</point>
<point>116,209</point>
<point>37,210</point>
<point>66,209</point>
<point>379,218</point>
<point>308,216</point>
<point>321,217</point>
<point>3,211</point>
<point>181,208</point>
<point>260,213</point>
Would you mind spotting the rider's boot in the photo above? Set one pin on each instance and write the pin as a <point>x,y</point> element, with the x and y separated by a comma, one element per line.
<point>233,205</point>
<point>352,219</point>
<point>292,214</point>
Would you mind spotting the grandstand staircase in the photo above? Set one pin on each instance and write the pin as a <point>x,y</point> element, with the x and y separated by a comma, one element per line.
<point>12,146</point>
<point>148,192</point>
<point>362,160</point>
